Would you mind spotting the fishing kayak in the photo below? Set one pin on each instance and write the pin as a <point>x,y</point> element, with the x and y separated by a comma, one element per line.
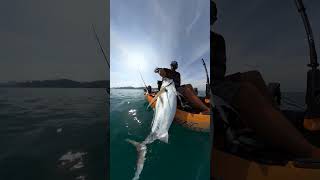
<point>263,164</point>
<point>191,120</point>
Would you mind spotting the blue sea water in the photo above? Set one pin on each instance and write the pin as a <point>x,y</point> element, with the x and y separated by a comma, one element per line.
<point>186,156</point>
<point>52,133</point>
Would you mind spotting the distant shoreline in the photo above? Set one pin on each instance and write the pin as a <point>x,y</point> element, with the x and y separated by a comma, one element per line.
<point>59,83</point>
<point>128,87</point>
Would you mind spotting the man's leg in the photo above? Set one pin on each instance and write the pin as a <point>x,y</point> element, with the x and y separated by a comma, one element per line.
<point>258,114</point>
<point>255,78</point>
<point>193,99</point>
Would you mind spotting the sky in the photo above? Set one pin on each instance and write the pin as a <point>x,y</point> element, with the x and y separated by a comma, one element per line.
<point>45,39</point>
<point>145,34</point>
<point>269,36</point>
<point>53,39</point>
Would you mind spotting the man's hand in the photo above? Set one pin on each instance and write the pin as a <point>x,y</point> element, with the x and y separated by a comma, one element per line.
<point>156,70</point>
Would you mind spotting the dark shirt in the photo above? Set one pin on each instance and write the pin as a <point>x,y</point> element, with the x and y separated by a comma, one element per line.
<point>174,75</point>
<point>217,57</point>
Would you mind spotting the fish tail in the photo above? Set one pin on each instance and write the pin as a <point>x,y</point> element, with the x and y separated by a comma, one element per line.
<point>142,150</point>
<point>135,143</point>
<point>139,146</point>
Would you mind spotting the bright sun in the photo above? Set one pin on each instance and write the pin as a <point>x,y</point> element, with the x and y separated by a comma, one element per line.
<point>137,60</point>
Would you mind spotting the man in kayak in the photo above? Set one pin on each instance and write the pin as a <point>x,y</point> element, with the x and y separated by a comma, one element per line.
<point>248,94</point>
<point>186,90</point>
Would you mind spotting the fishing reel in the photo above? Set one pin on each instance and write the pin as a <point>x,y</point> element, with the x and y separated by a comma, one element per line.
<point>275,92</point>
<point>313,93</point>
<point>207,90</point>
<point>149,89</point>
<point>159,85</point>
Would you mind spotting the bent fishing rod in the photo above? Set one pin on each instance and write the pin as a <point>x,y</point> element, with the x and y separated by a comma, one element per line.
<point>205,67</point>
<point>209,93</point>
<point>208,81</point>
<point>101,48</point>
<point>313,54</point>
<point>313,76</point>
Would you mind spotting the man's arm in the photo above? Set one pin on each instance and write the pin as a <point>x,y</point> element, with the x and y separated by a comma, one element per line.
<point>179,80</point>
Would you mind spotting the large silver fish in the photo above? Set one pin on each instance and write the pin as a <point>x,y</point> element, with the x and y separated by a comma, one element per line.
<point>165,110</point>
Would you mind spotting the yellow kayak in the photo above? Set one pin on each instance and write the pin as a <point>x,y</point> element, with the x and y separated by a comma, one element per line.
<point>229,167</point>
<point>193,121</point>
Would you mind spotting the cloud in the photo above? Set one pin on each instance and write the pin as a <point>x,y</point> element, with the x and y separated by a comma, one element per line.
<point>195,19</point>
<point>189,28</point>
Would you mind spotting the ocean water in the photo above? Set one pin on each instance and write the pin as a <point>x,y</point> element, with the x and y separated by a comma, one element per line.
<point>49,133</point>
<point>186,156</point>
<point>52,133</point>
<point>293,101</point>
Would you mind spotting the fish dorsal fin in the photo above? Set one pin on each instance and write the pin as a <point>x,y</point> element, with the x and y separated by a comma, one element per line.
<point>178,93</point>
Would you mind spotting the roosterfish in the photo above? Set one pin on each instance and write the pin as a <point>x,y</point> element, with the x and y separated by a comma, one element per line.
<point>164,112</point>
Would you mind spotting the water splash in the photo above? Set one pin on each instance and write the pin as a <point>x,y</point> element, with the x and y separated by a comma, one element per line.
<point>132,112</point>
<point>72,160</point>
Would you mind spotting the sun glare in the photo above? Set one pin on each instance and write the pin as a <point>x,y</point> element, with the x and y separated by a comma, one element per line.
<point>137,61</point>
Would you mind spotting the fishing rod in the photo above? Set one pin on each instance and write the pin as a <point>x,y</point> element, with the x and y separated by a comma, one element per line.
<point>208,81</point>
<point>313,76</point>
<point>101,48</point>
<point>209,93</point>
<point>143,80</point>
<point>313,54</point>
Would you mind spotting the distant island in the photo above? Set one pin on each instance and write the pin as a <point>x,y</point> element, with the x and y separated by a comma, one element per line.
<point>59,83</point>
<point>128,87</point>
<point>133,88</point>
